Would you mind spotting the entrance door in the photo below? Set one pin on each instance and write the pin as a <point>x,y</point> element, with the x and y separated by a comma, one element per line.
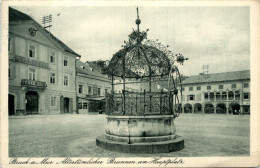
<point>32,102</point>
<point>236,109</point>
<point>11,104</point>
<point>66,105</point>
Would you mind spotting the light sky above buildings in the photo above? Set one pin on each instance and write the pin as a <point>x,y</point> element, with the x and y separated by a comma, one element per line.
<point>214,36</point>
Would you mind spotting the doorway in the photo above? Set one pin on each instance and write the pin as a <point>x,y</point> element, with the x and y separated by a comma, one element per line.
<point>32,99</point>
<point>235,109</point>
<point>11,108</point>
<point>66,105</point>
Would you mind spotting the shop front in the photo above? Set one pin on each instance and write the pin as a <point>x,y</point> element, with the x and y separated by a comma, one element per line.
<point>32,93</point>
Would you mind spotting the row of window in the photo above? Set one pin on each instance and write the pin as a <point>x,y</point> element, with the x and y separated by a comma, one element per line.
<point>32,52</point>
<point>52,80</point>
<point>83,105</point>
<point>246,96</point>
<point>95,89</point>
<point>233,86</point>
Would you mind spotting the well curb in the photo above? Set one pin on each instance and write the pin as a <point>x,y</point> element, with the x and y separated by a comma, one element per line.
<point>152,147</point>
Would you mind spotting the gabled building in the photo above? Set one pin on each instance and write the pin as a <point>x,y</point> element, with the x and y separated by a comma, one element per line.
<point>92,87</point>
<point>227,93</point>
<point>41,69</point>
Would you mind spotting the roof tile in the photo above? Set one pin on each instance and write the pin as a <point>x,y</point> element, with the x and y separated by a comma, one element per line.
<point>218,77</point>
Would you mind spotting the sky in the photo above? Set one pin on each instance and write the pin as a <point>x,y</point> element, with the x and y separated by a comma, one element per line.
<point>215,36</point>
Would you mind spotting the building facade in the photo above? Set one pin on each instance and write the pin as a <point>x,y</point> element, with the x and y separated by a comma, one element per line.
<point>92,87</point>
<point>131,85</point>
<point>226,93</point>
<point>42,69</point>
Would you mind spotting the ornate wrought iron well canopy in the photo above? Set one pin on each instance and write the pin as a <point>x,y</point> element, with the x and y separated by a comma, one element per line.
<point>141,57</point>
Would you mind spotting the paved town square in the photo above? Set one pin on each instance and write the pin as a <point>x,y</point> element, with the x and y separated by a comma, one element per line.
<point>75,136</point>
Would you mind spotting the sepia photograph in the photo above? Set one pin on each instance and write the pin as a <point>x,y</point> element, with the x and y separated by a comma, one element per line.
<point>129,84</point>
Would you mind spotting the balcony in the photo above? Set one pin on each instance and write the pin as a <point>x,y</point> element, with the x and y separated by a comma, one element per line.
<point>33,84</point>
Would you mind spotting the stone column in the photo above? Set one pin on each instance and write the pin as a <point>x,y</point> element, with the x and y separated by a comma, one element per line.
<point>203,108</point>
<point>23,100</point>
<point>227,94</point>
<point>192,108</point>
<point>241,109</point>
<point>227,107</point>
<point>183,109</point>
<point>215,108</point>
<point>234,95</point>
<point>220,95</point>
<point>215,97</point>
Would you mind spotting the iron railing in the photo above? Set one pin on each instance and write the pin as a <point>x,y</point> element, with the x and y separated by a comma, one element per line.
<point>136,104</point>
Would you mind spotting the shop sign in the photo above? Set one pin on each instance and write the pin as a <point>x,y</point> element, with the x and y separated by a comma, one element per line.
<point>32,83</point>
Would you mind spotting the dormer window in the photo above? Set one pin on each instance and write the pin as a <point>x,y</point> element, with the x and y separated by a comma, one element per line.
<point>82,67</point>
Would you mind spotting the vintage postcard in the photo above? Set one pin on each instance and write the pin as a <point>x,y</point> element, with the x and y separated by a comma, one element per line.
<point>130,84</point>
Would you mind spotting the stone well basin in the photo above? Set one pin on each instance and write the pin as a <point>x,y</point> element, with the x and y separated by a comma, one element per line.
<point>138,129</point>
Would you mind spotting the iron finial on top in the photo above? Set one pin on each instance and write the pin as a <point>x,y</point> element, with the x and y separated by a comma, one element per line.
<point>137,21</point>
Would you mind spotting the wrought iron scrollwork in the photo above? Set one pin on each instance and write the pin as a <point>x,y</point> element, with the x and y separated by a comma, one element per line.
<point>142,58</point>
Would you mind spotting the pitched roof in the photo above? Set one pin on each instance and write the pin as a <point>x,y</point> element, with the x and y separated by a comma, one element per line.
<point>88,70</point>
<point>218,77</point>
<point>94,66</point>
<point>15,15</point>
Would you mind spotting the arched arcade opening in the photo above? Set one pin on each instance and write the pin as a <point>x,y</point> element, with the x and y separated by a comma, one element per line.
<point>209,108</point>
<point>187,108</point>
<point>221,108</point>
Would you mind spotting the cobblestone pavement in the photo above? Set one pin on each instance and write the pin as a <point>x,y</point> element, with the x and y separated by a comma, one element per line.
<point>74,135</point>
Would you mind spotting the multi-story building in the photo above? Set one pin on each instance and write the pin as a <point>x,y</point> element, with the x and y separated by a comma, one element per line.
<point>92,87</point>
<point>227,93</point>
<point>41,69</point>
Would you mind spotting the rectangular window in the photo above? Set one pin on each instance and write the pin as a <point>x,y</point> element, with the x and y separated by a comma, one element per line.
<point>52,57</point>
<point>191,97</point>
<point>85,105</point>
<point>31,74</point>
<point>99,91</point>
<point>246,96</point>
<point>206,96</point>
<point>80,105</point>
<point>80,89</point>
<point>66,80</point>
<point>234,86</point>
<point>220,86</point>
<point>10,70</point>
<point>183,88</point>
<point>208,87</point>
<point>246,85</point>
<point>190,88</point>
<point>105,91</point>
<point>10,45</point>
<point>31,51</point>
<point>52,78</point>
<point>65,62</point>
<point>95,90</point>
<point>89,90</point>
<point>53,101</point>
<point>198,87</point>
